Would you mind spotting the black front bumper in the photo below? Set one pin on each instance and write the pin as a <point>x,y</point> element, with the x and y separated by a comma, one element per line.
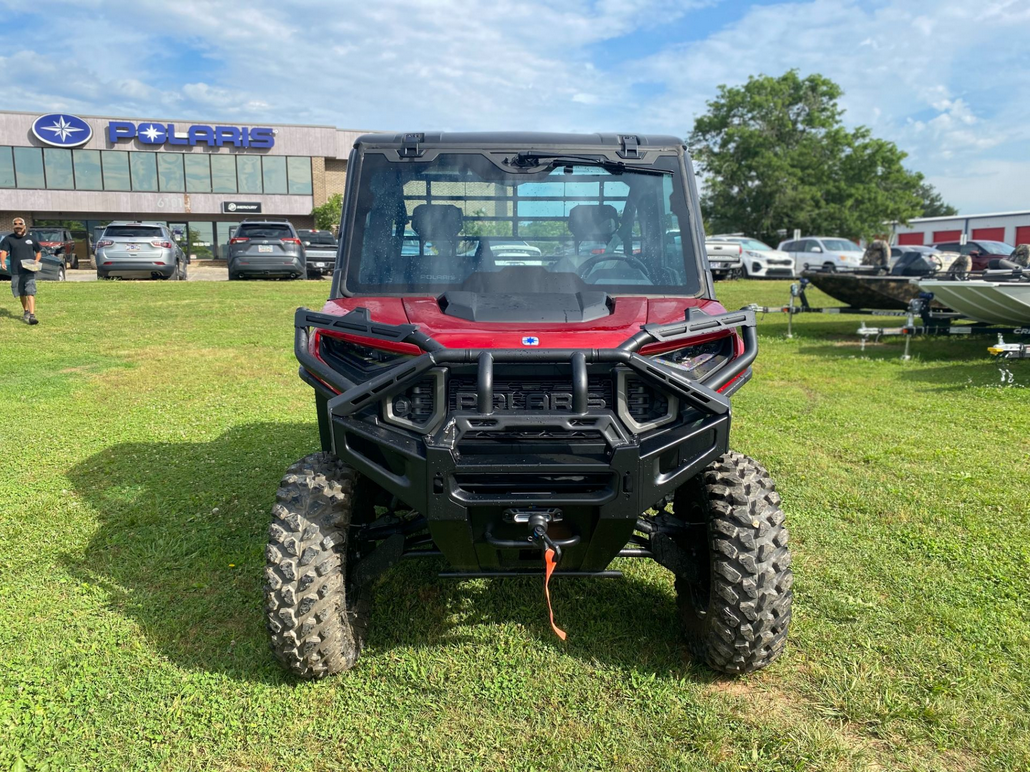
<point>473,467</point>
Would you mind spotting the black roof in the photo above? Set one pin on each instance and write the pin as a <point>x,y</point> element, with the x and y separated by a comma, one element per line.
<point>518,140</point>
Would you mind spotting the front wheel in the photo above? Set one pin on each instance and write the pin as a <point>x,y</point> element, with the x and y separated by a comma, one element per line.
<point>735,596</point>
<point>316,618</point>
<point>61,274</point>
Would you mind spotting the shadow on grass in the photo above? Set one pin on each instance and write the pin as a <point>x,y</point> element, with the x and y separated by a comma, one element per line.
<point>180,550</point>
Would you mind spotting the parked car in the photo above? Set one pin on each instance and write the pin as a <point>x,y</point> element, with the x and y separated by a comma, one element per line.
<point>58,237</point>
<point>826,252</point>
<point>725,258</point>
<point>53,269</point>
<point>140,250</point>
<point>509,251</point>
<point>267,248</point>
<point>320,250</point>
<point>762,261</point>
<point>981,252</point>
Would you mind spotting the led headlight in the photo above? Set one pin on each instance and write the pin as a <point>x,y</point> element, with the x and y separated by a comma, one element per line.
<point>699,361</point>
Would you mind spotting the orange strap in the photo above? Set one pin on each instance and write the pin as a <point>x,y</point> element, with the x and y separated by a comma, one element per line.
<point>549,566</point>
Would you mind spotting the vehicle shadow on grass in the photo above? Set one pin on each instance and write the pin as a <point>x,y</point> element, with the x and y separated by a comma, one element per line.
<point>180,550</point>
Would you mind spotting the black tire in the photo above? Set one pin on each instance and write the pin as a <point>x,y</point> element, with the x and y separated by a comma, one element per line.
<point>735,603</point>
<point>316,621</point>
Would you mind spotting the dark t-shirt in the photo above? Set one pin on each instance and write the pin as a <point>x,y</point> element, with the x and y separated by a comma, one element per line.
<point>18,249</point>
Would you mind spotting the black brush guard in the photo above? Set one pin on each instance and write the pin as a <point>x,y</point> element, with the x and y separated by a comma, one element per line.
<point>468,498</point>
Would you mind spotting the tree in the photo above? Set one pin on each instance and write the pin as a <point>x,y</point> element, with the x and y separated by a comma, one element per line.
<point>933,202</point>
<point>327,216</point>
<point>774,155</point>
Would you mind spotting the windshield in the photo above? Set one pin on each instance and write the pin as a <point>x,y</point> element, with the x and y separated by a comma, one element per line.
<point>131,232</point>
<point>996,248</point>
<point>461,220</point>
<point>841,245</point>
<point>49,234</point>
<point>264,231</point>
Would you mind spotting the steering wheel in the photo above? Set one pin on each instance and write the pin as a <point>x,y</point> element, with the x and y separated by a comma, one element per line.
<point>588,266</point>
<point>937,262</point>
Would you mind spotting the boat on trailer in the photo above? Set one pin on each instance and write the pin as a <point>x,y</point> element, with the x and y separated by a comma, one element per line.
<point>858,290</point>
<point>995,297</point>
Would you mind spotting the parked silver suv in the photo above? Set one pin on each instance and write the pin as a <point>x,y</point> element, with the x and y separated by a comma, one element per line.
<point>140,250</point>
<point>266,248</point>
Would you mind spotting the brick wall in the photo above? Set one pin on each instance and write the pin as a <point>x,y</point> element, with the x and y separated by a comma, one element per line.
<point>318,180</point>
<point>335,176</point>
<point>7,221</point>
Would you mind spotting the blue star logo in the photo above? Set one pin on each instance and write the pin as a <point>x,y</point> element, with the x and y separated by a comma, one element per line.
<point>62,130</point>
<point>530,340</point>
<point>152,134</point>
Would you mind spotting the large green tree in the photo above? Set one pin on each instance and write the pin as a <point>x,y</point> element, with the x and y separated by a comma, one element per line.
<point>774,155</point>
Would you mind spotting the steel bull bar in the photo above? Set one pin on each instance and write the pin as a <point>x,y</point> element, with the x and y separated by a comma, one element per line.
<point>422,470</point>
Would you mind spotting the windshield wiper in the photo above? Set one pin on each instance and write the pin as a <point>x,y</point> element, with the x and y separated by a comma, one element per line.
<point>531,160</point>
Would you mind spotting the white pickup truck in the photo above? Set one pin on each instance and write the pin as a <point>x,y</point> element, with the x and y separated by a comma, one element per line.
<point>725,258</point>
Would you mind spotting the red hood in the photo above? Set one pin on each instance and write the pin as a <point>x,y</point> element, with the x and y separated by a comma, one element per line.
<point>608,332</point>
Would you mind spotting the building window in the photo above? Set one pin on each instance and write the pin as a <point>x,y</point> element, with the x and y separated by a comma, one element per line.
<point>116,169</point>
<point>299,170</point>
<point>6,168</point>
<point>28,167</point>
<point>223,173</point>
<point>58,165</point>
<point>198,174</point>
<point>143,169</point>
<point>274,172</point>
<point>87,170</point>
<point>170,174</point>
<point>248,172</point>
<point>202,239</point>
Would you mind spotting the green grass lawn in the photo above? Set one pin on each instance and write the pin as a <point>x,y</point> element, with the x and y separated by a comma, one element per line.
<point>145,430</point>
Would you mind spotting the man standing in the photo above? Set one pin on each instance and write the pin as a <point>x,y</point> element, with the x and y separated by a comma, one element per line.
<point>20,246</point>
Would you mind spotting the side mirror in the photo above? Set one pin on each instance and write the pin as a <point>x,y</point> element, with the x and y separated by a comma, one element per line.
<point>817,249</point>
<point>59,251</point>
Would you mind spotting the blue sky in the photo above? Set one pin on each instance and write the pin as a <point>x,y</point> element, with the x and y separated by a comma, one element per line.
<point>947,80</point>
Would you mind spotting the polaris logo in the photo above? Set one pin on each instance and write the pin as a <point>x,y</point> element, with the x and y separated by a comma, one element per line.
<point>62,130</point>
<point>151,133</point>
<point>531,341</point>
<point>555,401</point>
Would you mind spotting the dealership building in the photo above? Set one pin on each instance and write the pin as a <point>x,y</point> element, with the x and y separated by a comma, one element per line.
<point>201,178</point>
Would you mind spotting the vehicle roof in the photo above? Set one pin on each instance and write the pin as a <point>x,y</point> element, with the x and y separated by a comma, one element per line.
<point>266,222</point>
<point>515,139</point>
<point>137,222</point>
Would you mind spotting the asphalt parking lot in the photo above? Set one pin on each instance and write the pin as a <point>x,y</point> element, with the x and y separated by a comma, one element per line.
<point>196,273</point>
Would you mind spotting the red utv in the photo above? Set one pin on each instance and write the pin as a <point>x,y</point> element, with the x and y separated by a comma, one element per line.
<point>513,420</point>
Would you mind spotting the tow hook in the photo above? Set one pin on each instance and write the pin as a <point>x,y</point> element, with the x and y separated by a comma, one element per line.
<point>538,520</point>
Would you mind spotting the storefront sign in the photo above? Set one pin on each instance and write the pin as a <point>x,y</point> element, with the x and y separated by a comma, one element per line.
<point>62,130</point>
<point>241,207</point>
<point>212,136</point>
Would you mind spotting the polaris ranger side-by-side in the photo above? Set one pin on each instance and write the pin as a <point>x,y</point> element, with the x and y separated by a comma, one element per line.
<point>522,417</point>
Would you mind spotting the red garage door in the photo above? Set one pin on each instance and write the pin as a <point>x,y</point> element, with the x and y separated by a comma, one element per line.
<point>989,234</point>
<point>939,236</point>
<point>909,238</point>
<point>1023,235</point>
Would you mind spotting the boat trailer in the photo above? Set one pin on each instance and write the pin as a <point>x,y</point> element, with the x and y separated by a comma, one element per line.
<point>920,319</point>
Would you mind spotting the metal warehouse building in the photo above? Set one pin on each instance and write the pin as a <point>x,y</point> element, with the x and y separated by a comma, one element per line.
<point>1009,227</point>
<point>201,179</point>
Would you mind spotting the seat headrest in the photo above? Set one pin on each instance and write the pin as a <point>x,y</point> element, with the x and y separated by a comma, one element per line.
<point>435,222</point>
<point>593,222</point>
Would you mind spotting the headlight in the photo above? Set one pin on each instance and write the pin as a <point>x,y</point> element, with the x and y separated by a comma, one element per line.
<point>700,360</point>
<point>420,407</point>
<point>355,360</point>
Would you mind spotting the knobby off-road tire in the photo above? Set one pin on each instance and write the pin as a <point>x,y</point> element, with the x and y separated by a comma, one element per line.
<point>735,608</point>
<point>317,621</point>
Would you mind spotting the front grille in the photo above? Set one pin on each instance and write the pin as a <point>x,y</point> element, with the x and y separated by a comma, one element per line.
<point>643,402</point>
<point>544,394</point>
